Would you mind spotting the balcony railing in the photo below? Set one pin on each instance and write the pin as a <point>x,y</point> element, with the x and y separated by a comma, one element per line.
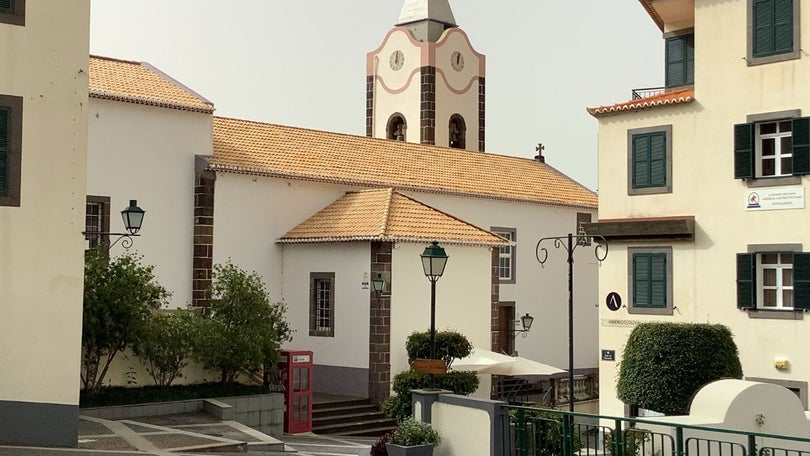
<point>647,92</point>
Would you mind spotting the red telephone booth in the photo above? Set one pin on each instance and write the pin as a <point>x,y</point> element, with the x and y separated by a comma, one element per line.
<point>296,367</point>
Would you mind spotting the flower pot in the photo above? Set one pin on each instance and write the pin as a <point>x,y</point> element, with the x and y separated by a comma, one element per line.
<point>416,450</point>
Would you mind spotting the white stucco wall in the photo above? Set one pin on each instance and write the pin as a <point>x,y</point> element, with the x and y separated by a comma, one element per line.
<point>41,249</point>
<point>251,213</point>
<point>464,430</point>
<point>349,262</point>
<point>147,153</point>
<point>462,297</point>
<point>726,91</point>
<point>540,291</point>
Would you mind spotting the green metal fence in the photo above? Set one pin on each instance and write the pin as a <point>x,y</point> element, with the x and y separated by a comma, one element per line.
<point>532,431</point>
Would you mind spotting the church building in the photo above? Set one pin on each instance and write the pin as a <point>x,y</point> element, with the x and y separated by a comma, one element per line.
<point>321,215</point>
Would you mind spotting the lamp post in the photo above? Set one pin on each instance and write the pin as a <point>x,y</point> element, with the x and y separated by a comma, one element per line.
<point>132,217</point>
<point>434,259</point>
<point>600,252</point>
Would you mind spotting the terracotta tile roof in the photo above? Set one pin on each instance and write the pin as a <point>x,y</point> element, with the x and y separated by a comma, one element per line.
<point>247,147</point>
<point>672,97</point>
<point>140,83</point>
<point>386,215</point>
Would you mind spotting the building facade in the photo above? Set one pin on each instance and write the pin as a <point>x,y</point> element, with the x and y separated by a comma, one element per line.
<point>43,148</point>
<point>238,190</point>
<point>702,188</point>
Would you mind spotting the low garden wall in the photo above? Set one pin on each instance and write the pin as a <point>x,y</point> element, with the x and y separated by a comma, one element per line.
<point>264,412</point>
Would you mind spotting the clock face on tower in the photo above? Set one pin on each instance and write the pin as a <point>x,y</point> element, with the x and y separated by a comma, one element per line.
<point>457,61</point>
<point>397,60</point>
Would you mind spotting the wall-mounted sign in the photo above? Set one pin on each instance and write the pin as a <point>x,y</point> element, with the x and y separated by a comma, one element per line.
<point>619,322</point>
<point>770,199</point>
<point>300,359</point>
<point>613,301</point>
<point>608,355</point>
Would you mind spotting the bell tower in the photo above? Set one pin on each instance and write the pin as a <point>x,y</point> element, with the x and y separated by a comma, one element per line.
<point>425,82</point>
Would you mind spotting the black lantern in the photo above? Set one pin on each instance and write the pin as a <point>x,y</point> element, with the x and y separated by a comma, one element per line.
<point>434,259</point>
<point>378,284</point>
<point>133,217</point>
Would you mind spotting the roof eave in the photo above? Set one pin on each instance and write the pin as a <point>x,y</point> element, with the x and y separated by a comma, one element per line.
<point>306,177</point>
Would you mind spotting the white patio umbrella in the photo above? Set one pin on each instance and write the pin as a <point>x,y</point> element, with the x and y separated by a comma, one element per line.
<point>521,366</point>
<point>479,359</point>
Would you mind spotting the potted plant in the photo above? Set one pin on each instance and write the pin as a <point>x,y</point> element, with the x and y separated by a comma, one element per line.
<point>413,438</point>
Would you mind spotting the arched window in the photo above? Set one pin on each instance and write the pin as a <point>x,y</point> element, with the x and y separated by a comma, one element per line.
<point>396,127</point>
<point>457,132</point>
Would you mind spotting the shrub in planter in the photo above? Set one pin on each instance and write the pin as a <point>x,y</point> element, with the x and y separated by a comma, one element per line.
<point>378,449</point>
<point>413,438</point>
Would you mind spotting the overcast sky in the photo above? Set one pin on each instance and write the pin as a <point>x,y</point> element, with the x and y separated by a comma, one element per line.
<point>302,62</point>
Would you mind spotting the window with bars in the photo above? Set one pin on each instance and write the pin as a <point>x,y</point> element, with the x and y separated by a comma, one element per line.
<point>506,255</point>
<point>97,220</point>
<point>649,163</point>
<point>650,284</point>
<point>322,304</point>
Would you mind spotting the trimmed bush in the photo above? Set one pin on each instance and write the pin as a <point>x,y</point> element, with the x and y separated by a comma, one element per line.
<point>664,364</point>
<point>398,406</point>
<point>449,345</point>
<point>119,395</point>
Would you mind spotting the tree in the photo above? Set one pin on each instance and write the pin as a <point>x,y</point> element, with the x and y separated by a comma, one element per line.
<point>119,296</point>
<point>165,345</point>
<point>664,364</point>
<point>243,331</point>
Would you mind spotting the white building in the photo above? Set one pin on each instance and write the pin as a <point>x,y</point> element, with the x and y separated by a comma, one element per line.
<point>43,147</point>
<point>702,188</point>
<point>255,187</point>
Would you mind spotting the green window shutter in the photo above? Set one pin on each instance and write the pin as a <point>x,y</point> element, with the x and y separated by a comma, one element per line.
<point>650,280</point>
<point>782,26</point>
<point>6,6</point>
<point>658,160</point>
<point>746,286</point>
<point>5,127</point>
<point>650,160</point>
<point>680,61</point>
<point>772,27</point>
<point>762,28</point>
<point>641,167</point>
<point>641,280</point>
<point>801,145</point>
<point>743,151</point>
<point>801,281</point>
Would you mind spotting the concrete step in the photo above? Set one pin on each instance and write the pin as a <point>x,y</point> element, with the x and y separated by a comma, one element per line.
<point>350,418</point>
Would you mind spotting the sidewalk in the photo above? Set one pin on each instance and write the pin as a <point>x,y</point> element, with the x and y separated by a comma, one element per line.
<point>190,434</point>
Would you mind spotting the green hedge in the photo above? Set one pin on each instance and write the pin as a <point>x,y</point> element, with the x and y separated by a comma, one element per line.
<point>664,364</point>
<point>122,396</point>
<point>398,406</point>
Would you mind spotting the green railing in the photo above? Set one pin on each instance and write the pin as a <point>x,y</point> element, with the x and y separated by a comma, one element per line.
<point>530,431</point>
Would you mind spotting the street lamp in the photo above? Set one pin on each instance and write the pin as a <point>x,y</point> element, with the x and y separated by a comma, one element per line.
<point>526,323</point>
<point>600,252</point>
<point>132,217</point>
<point>434,259</point>
<point>378,285</point>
